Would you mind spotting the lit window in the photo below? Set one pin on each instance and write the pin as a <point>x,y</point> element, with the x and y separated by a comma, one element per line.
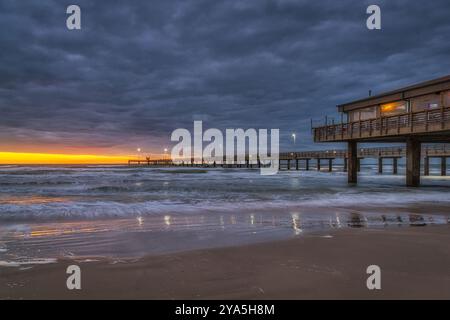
<point>427,102</point>
<point>393,108</point>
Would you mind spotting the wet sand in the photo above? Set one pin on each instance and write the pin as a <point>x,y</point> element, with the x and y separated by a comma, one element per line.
<point>414,261</point>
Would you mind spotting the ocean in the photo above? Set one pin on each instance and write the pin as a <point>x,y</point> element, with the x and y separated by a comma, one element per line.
<point>84,212</point>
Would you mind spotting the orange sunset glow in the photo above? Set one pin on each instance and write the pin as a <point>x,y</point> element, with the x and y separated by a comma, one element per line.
<point>51,158</point>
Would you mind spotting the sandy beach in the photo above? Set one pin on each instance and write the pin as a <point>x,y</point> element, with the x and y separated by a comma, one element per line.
<point>414,261</point>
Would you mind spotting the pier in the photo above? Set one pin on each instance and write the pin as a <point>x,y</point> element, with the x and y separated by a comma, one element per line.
<point>412,115</point>
<point>417,116</point>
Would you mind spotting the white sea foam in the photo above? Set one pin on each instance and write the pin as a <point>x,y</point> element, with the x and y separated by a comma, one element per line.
<point>89,192</point>
<point>27,262</point>
<point>105,209</point>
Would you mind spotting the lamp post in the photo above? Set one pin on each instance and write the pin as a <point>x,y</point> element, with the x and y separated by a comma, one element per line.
<point>293,135</point>
<point>139,153</point>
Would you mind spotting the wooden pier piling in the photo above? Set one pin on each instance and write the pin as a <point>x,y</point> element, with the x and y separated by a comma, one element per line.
<point>394,165</point>
<point>426,166</point>
<point>380,165</point>
<point>352,161</point>
<point>443,166</point>
<point>412,162</point>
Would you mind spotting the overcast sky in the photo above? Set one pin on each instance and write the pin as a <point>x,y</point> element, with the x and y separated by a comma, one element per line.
<point>137,70</point>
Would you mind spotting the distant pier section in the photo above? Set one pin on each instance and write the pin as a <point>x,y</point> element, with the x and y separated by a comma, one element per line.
<point>319,160</point>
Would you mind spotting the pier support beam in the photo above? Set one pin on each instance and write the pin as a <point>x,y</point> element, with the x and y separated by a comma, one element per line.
<point>380,165</point>
<point>395,165</point>
<point>345,164</point>
<point>307,164</point>
<point>318,164</point>
<point>330,165</point>
<point>426,166</point>
<point>412,162</point>
<point>296,164</point>
<point>443,166</point>
<point>352,156</point>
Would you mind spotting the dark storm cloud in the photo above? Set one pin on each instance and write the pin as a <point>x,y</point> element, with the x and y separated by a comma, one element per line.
<point>139,69</point>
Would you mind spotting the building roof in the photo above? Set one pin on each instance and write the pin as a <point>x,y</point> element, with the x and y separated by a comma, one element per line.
<point>426,87</point>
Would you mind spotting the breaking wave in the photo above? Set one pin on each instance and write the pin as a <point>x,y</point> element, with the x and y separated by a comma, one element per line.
<point>107,192</point>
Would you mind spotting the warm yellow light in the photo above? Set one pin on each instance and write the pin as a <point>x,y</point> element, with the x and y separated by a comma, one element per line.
<point>44,158</point>
<point>398,106</point>
<point>388,107</point>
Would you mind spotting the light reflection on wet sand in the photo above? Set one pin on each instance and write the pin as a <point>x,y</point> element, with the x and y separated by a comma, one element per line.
<point>144,235</point>
<point>32,199</point>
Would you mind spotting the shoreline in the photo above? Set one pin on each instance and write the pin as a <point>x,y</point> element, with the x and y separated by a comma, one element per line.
<point>414,261</point>
<point>137,237</point>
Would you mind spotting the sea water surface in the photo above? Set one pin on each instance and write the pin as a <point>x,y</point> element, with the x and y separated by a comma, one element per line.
<point>48,213</point>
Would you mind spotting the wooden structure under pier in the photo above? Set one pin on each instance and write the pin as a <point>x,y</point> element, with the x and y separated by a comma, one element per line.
<point>154,162</point>
<point>441,151</point>
<point>413,115</point>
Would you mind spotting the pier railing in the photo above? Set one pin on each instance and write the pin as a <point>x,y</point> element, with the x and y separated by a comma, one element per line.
<point>415,122</point>
<point>384,152</point>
